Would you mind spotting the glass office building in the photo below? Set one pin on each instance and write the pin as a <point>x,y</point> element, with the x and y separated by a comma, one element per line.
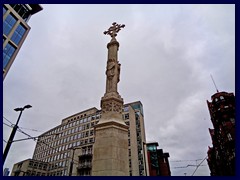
<point>15,30</point>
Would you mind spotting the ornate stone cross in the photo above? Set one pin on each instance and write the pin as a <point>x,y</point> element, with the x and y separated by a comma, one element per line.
<point>114,29</point>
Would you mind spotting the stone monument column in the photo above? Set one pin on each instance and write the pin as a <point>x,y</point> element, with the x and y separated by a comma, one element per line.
<point>110,150</point>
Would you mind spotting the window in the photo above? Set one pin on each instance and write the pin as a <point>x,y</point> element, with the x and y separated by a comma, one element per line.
<point>126,116</point>
<point>79,128</point>
<point>8,52</point>
<point>8,24</point>
<point>221,97</point>
<point>89,118</point>
<point>91,133</point>
<point>79,135</point>
<point>22,10</point>
<point>232,120</point>
<point>75,136</point>
<point>126,109</point>
<point>229,137</point>
<point>91,140</point>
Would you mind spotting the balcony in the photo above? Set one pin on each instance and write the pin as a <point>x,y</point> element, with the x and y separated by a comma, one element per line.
<point>85,155</point>
<point>84,166</point>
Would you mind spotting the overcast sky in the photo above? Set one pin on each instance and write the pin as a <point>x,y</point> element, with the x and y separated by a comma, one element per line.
<point>167,53</point>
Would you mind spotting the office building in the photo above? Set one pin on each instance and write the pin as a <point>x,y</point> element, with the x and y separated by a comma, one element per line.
<point>15,30</point>
<point>73,140</point>
<point>157,160</point>
<point>6,172</point>
<point>221,156</point>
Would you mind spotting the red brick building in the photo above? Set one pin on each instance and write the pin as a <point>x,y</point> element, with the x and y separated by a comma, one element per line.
<point>221,156</point>
<point>157,161</point>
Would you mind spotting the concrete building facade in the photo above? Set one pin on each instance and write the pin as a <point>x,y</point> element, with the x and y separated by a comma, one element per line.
<point>15,30</point>
<point>221,156</point>
<point>73,140</point>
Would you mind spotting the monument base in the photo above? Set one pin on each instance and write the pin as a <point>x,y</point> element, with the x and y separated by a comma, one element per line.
<point>110,150</point>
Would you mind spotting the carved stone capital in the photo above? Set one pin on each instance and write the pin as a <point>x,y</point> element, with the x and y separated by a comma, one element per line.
<point>112,104</point>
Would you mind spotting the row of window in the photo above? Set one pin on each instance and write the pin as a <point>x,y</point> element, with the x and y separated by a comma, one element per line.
<point>39,154</point>
<point>36,173</point>
<point>75,123</point>
<point>43,145</point>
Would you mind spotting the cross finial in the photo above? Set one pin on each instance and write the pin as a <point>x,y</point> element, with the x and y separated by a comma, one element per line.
<point>114,29</point>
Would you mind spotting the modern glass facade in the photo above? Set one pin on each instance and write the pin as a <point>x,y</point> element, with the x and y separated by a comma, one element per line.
<point>8,24</point>
<point>8,52</point>
<point>18,34</point>
<point>15,30</point>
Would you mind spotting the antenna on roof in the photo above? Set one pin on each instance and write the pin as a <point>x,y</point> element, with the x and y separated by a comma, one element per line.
<point>214,83</point>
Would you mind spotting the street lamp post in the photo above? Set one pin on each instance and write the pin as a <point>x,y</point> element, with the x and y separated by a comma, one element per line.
<point>15,127</point>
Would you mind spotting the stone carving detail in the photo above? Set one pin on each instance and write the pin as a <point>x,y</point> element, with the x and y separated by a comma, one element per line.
<point>114,29</point>
<point>111,106</point>
<point>113,75</point>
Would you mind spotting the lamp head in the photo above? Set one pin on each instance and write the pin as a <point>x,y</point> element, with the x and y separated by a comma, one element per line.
<point>18,109</point>
<point>27,106</point>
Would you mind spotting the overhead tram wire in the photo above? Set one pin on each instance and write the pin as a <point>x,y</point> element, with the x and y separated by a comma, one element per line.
<point>8,120</point>
<point>199,165</point>
<point>30,129</point>
<point>186,160</point>
<point>7,124</point>
<point>22,127</point>
<point>34,139</point>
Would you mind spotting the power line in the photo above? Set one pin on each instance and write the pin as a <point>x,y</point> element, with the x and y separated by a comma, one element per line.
<point>30,129</point>
<point>188,166</point>
<point>41,141</point>
<point>22,127</point>
<point>185,160</point>
<point>7,125</point>
<point>199,165</point>
<point>8,120</point>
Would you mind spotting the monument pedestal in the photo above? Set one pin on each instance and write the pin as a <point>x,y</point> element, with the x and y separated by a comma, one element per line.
<point>110,150</point>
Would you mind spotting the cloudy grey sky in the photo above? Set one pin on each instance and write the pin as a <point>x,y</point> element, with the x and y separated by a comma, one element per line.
<point>167,53</point>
